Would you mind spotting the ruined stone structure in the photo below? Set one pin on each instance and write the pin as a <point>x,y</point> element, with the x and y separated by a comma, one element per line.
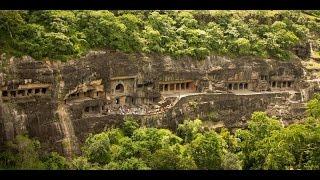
<point>61,103</point>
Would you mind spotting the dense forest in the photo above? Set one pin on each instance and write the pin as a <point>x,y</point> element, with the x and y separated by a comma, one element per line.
<point>265,144</point>
<point>61,35</point>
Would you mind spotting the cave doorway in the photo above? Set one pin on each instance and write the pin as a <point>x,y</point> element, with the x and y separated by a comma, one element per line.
<point>120,88</point>
<point>117,100</point>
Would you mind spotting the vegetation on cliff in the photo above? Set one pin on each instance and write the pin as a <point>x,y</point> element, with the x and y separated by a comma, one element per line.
<point>265,144</point>
<point>68,34</point>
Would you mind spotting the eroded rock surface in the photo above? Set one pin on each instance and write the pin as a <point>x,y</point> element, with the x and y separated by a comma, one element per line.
<point>61,103</point>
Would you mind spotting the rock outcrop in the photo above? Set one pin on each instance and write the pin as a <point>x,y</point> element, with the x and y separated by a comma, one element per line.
<point>61,103</point>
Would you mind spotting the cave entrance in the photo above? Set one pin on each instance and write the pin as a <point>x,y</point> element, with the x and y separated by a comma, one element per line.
<point>37,91</point>
<point>129,100</point>
<point>13,93</point>
<point>241,86</point>
<point>178,86</point>
<point>161,87</point>
<point>120,88</point>
<point>5,93</point>
<point>235,86</point>
<point>21,93</point>
<point>245,85</point>
<point>188,85</point>
<point>172,87</point>
<point>117,100</point>
<point>183,86</point>
<point>166,88</point>
<point>44,91</point>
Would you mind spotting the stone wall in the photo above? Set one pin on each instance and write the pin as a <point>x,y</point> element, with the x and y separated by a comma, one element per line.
<point>62,124</point>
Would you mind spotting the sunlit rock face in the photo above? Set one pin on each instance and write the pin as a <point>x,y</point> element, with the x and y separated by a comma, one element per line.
<point>61,103</point>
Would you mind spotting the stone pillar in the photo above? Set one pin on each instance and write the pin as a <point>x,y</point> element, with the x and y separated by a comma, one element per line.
<point>174,86</point>
<point>163,85</point>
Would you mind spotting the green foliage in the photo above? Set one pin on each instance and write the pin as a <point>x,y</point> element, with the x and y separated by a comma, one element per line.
<point>265,144</point>
<point>171,158</point>
<point>207,150</point>
<point>82,163</point>
<point>189,129</point>
<point>97,148</point>
<point>153,139</point>
<point>54,161</point>
<point>21,153</point>
<point>231,161</point>
<point>259,127</point>
<point>57,34</point>
<point>129,164</point>
<point>313,106</point>
<point>129,126</point>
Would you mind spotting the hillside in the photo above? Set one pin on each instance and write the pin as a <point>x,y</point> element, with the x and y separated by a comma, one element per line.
<point>62,35</point>
<point>160,90</point>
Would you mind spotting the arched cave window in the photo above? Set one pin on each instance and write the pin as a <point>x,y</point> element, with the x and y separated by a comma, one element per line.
<point>119,88</point>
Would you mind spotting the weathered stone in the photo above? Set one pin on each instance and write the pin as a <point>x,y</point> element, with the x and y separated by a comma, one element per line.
<point>96,92</point>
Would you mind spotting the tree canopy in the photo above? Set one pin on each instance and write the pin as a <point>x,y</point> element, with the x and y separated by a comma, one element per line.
<point>60,35</point>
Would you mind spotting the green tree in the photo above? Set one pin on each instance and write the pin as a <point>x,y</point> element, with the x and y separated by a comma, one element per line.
<point>313,106</point>
<point>207,150</point>
<point>171,158</point>
<point>22,153</point>
<point>54,161</point>
<point>189,129</point>
<point>260,126</point>
<point>97,148</point>
<point>129,126</point>
<point>128,164</point>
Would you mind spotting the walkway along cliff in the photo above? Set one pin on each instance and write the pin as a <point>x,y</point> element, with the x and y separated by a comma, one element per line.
<point>61,103</point>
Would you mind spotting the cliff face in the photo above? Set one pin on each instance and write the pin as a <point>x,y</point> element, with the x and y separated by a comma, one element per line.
<point>61,103</point>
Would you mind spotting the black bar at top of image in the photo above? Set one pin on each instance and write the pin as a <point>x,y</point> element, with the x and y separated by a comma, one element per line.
<point>159,4</point>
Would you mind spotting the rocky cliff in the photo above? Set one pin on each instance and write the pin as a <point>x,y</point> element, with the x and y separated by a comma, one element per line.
<point>61,103</point>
